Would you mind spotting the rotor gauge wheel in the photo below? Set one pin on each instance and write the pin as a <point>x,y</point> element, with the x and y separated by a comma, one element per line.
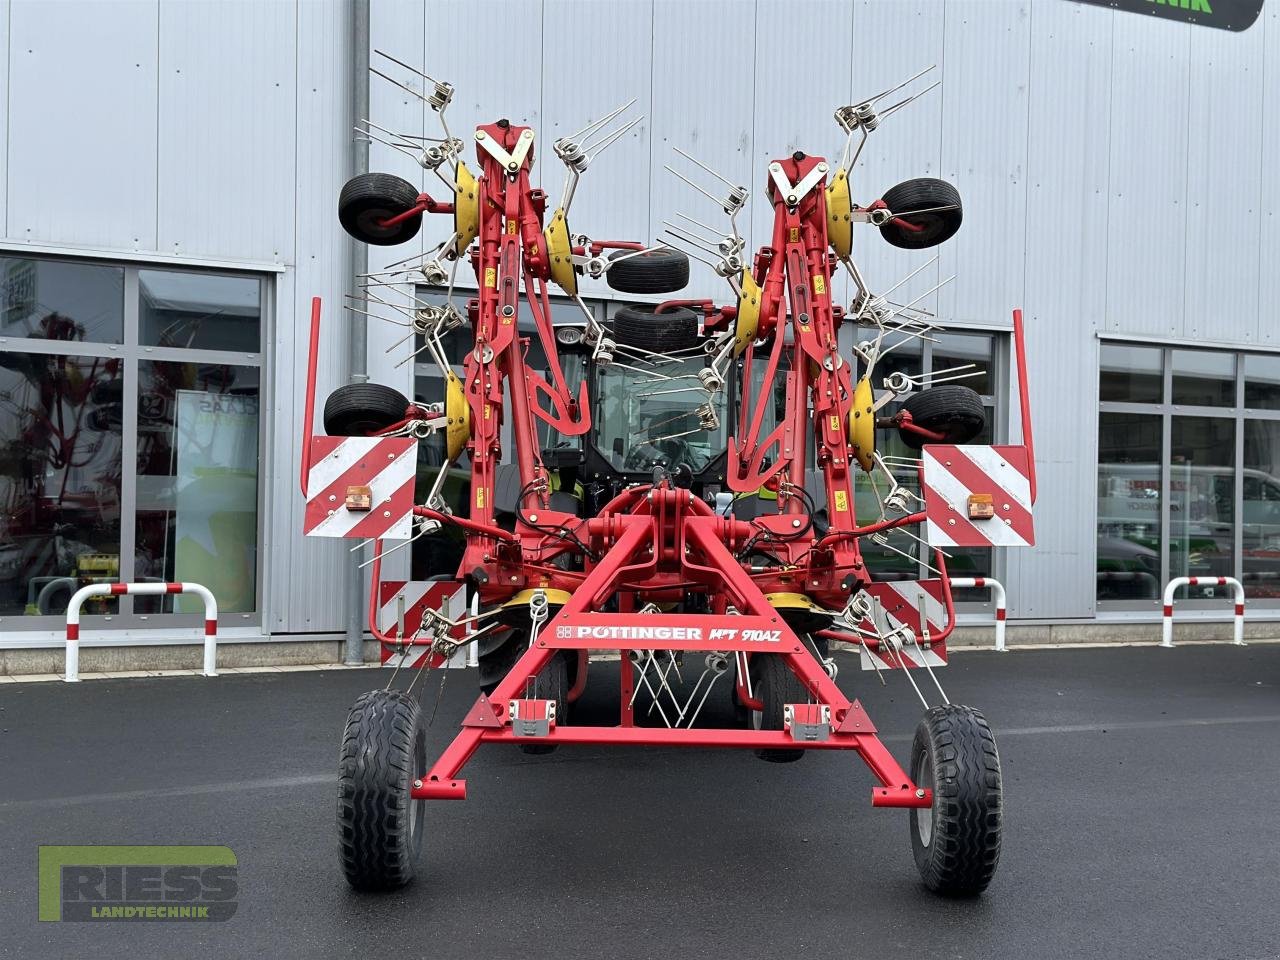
<point>951,410</point>
<point>551,684</point>
<point>380,825</point>
<point>926,212</point>
<point>666,332</point>
<point>361,409</point>
<point>776,685</point>
<point>956,842</point>
<point>369,200</point>
<point>653,271</point>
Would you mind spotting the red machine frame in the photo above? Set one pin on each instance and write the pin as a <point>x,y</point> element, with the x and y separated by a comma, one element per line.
<point>659,543</point>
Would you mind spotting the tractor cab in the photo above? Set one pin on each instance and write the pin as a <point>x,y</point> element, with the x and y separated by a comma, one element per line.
<point>649,415</point>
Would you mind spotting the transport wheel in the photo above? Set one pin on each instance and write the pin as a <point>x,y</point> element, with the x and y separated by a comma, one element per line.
<point>954,411</point>
<point>359,409</point>
<point>384,749</point>
<point>956,843</point>
<point>924,193</point>
<point>775,685</point>
<point>655,271</point>
<point>664,332</point>
<point>551,684</point>
<point>368,199</point>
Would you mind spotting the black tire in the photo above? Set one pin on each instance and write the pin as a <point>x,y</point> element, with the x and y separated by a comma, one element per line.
<point>924,193</point>
<point>370,198</point>
<point>955,412</point>
<point>551,684</point>
<point>956,843</point>
<point>775,685</point>
<point>497,662</point>
<point>107,392</point>
<point>655,271</point>
<point>55,596</point>
<point>665,332</point>
<point>359,409</point>
<point>741,714</point>
<point>384,749</point>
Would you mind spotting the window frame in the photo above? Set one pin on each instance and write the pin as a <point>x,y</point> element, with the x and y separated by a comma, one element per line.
<point>1166,409</point>
<point>131,353</point>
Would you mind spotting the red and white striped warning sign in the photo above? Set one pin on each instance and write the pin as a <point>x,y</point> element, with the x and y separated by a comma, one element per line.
<point>386,465</point>
<point>952,474</point>
<point>449,597</point>
<point>911,603</point>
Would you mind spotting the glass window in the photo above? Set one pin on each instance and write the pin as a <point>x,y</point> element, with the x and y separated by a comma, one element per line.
<point>197,487</point>
<point>1204,378</point>
<point>1262,381</point>
<point>1260,508</point>
<point>186,508</point>
<point>965,350</point>
<point>1202,500</point>
<point>61,300</point>
<point>1131,374</point>
<point>1213,502</point>
<point>1129,461</point>
<point>61,424</point>
<point>201,311</point>
<point>640,421</point>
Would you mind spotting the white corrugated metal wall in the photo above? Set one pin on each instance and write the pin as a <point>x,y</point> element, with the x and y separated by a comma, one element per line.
<point>1114,170</point>
<point>204,130</point>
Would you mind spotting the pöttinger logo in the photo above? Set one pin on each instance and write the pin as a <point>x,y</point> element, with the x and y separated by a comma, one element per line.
<point>138,883</point>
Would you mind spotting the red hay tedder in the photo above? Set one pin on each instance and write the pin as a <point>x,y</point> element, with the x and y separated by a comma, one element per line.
<point>690,484</point>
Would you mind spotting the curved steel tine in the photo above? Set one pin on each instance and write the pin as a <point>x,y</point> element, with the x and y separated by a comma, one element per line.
<point>597,123</point>
<point>406,89</point>
<point>924,266</point>
<point>407,149</point>
<point>376,316</point>
<point>687,231</point>
<point>890,111</point>
<point>714,199</point>
<point>595,149</point>
<point>694,160</point>
<point>912,213</point>
<point>637,253</point>
<point>680,213</point>
<point>405,65</point>
<point>932,290</point>
<point>885,93</point>
<point>691,239</point>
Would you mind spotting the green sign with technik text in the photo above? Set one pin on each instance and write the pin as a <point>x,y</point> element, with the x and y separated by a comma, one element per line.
<point>1234,15</point>
<point>146,884</point>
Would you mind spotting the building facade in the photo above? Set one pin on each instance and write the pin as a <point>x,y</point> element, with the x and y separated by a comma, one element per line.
<point>168,206</point>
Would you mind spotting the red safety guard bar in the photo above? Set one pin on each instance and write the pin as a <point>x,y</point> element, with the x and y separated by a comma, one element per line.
<point>309,414</point>
<point>1024,399</point>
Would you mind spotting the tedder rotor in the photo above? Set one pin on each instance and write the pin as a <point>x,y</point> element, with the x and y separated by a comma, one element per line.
<point>687,483</point>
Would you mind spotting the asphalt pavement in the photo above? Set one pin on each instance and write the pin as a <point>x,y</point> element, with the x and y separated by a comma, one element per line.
<point>1142,819</point>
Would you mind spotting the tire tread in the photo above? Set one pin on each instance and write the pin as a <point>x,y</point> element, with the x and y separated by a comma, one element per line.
<point>375,764</point>
<point>949,408</point>
<point>968,797</point>
<point>776,686</point>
